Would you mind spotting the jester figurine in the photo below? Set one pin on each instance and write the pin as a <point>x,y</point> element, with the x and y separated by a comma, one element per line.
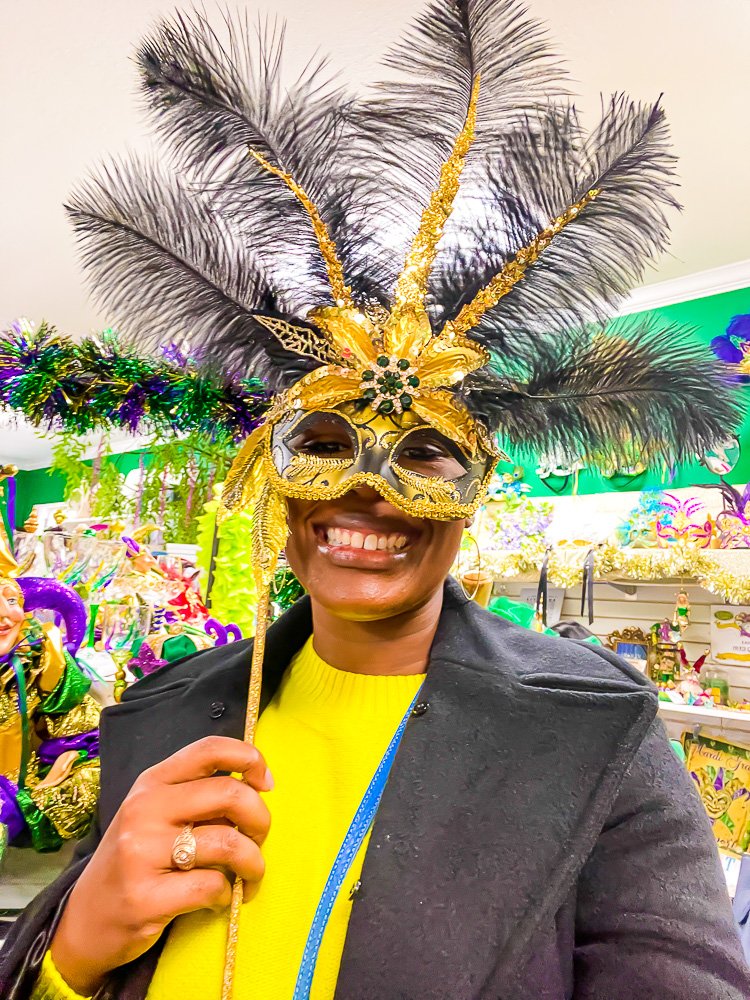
<point>391,792</point>
<point>49,736</point>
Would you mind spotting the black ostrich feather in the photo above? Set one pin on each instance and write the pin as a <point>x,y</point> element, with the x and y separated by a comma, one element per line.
<point>166,267</point>
<point>637,386</point>
<point>538,172</point>
<point>409,126</point>
<point>215,95</point>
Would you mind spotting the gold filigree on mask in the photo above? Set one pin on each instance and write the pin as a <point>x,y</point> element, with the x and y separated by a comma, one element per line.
<point>301,340</point>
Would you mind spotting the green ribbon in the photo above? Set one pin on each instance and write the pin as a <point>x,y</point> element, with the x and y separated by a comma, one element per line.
<point>69,690</point>
<point>44,837</point>
<point>23,711</point>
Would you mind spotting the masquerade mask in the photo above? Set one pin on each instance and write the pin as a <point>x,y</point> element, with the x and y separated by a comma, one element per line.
<point>322,455</point>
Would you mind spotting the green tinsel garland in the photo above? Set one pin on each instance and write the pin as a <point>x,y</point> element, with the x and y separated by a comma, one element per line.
<point>100,383</point>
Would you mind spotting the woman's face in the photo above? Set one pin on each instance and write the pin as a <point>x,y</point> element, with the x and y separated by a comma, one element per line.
<point>365,560</point>
<point>11,617</point>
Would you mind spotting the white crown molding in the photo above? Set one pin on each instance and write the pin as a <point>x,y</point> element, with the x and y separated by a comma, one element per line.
<point>699,285</point>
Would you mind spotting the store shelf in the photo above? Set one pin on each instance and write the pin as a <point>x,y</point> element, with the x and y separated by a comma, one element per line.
<point>716,719</point>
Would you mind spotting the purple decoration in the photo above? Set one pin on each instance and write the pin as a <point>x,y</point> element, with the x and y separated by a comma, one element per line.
<point>734,345</point>
<point>133,548</point>
<point>222,634</point>
<point>10,814</point>
<point>50,750</point>
<point>11,506</point>
<point>42,593</point>
<point>146,661</point>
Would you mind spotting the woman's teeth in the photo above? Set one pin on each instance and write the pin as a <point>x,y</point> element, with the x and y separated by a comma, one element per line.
<point>370,541</point>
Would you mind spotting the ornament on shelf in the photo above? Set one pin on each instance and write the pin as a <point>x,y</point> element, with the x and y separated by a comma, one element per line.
<point>681,618</point>
<point>638,530</point>
<point>687,524</point>
<point>733,523</point>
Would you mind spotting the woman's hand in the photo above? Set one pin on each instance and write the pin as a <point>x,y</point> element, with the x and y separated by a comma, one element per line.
<point>130,890</point>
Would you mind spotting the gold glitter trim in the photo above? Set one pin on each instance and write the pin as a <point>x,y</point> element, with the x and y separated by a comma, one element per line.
<point>269,533</point>
<point>81,719</point>
<point>242,484</point>
<point>251,720</point>
<point>504,282</point>
<point>70,805</point>
<point>719,571</point>
<point>411,288</point>
<point>341,291</point>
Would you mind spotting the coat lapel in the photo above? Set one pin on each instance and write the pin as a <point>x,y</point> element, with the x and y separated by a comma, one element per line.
<point>496,798</point>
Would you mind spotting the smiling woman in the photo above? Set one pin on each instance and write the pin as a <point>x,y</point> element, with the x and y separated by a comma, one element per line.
<point>438,804</point>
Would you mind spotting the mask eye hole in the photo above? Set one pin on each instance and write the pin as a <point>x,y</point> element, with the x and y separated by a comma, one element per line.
<point>322,435</point>
<point>428,453</point>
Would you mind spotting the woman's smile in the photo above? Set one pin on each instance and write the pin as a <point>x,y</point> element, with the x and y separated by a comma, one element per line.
<point>365,541</point>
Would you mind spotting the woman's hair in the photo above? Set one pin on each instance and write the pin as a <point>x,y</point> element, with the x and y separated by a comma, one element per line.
<point>572,630</point>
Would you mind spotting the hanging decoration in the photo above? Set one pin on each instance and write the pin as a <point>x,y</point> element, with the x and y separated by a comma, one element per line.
<point>233,595</point>
<point>100,384</point>
<point>733,346</point>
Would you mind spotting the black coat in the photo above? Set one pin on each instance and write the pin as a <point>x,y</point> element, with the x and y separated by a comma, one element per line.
<point>537,840</point>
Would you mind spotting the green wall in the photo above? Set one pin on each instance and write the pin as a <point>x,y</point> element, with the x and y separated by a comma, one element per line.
<point>44,486</point>
<point>709,317</point>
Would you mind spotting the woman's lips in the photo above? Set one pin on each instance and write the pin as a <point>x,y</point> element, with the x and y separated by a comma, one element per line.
<point>362,547</point>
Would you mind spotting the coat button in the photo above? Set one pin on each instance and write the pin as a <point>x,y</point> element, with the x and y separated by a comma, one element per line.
<point>217,709</point>
<point>420,708</point>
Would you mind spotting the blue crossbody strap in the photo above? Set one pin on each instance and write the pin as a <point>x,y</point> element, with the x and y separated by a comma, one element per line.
<point>356,834</point>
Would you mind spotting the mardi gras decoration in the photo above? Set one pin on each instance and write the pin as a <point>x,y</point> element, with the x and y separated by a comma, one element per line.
<point>733,523</point>
<point>49,767</point>
<point>98,384</point>
<point>686,523</point>
<point>721,772</point>
<point>681,617</point>
<point>638,530</point>
<point>412,274</point>
<point>734,347</point>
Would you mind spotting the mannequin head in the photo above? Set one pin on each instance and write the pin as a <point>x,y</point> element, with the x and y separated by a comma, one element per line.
<point>11,614</point>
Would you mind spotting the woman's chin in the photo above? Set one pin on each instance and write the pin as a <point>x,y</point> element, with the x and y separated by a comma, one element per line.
<point>360,594</point>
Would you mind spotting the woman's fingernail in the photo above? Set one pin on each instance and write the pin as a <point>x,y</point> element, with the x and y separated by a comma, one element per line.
<point>268,779</point>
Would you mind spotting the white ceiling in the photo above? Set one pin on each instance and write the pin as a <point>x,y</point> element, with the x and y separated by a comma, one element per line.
<point>68,87</point>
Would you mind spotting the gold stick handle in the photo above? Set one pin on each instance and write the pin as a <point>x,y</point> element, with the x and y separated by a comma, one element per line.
<point>251,720</point>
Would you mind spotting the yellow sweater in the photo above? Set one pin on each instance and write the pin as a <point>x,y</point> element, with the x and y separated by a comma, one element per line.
<point>323,736</point>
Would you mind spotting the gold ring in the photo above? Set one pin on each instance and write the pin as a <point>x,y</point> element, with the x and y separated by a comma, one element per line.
<point>184,849</point>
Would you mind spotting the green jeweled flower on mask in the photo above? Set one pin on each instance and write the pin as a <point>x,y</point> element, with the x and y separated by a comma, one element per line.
<point>390,386</point>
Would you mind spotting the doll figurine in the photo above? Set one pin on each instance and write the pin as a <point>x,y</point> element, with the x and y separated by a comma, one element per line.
<point>49,737</point>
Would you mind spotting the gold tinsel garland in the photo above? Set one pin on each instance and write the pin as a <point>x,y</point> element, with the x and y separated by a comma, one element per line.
<point>719,571</point>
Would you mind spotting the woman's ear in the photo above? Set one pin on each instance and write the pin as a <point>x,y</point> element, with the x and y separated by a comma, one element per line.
<point>468,522</point>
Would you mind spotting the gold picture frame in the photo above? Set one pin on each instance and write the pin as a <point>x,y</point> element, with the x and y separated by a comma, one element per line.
<point>634,645</point>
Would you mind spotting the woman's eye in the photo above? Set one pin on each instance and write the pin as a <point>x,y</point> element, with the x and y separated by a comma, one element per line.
<point>324,448</point>
<point>428,457</point>
<point>424,453</point>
